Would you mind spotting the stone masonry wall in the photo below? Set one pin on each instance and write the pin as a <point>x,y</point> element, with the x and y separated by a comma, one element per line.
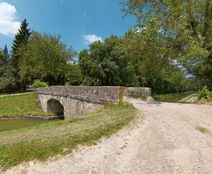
<point>94,94</point>
<point>80,100</point>
<point>72,108</point>
<point>137,91</point>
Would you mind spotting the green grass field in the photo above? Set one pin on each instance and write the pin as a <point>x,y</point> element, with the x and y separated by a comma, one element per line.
<point>186,97</point>
<point>20,105</point>
<point>9,124</point>
<point>60,137</point>
<point>173,97</point>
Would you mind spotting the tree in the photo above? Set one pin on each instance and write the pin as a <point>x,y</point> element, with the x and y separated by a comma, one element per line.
<point>7,81</point>
<point>20,41</point>
<point>183,28</point>
<point>200,20</point>
<point>6,55</point>
<point>1,57</point>
<point>106,64</point>
<point>73,74</point>
<point>45,58</point>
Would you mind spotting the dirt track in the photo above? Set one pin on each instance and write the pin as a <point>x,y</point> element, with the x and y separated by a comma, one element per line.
<point>164,139</point>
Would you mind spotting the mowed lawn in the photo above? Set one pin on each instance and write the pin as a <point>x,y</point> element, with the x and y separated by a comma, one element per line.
<point>60,137</point>
<point>184,97</point>
<point>22,104</point>
<point>174,97</point>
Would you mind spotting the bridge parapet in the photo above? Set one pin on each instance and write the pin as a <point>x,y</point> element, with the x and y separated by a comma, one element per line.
<point>93,94</point>
<point>137,91</point>
<point>74,101</point>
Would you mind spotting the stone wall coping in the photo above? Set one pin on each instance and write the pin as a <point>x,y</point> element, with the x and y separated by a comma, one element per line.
<point>94,94</point>
<point>81,98</point>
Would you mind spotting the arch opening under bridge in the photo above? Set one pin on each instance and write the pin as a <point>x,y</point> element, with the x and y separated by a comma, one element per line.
<point>54,106</point>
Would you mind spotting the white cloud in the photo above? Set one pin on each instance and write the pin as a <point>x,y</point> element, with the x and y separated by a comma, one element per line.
<point>8,23</point>
<point>90,38</point>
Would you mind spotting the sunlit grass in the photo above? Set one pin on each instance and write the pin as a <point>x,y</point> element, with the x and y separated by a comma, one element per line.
<point>173,97</point>
<point>20,105</point>
<point>60,137</point>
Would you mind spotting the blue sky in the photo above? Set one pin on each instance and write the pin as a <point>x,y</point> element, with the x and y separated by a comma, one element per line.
<point>78,22</point>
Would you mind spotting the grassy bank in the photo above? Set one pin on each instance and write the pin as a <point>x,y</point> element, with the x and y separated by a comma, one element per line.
<point>61,137</point>
<point>206,101</point>
<point>20,105</point>
<point>188,97</point>
<point>173,97</point>
<point>9,124</point>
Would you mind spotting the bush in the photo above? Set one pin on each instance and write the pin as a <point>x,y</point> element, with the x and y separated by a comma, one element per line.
<point>8,84</point>
<point>204,93</point>
<point>38,84</point>
<point>73,75</point>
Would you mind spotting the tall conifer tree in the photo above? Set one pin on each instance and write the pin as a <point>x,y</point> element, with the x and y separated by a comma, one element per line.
<point>21,40</point>
<point>6,55</point>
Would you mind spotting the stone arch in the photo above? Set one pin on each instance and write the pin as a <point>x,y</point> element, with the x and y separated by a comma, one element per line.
<point>55,106</point>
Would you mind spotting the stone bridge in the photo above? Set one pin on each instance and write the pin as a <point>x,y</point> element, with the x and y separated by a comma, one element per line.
<point>74,101</point>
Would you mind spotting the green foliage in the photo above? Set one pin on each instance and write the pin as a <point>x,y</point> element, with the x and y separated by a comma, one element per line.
<point>168,54</point>
<point>173,97</point>
<point>9,77</point>
<point>8,82</point>
<point>73,74</point>
<point>4,56</point>
<point>185,35</point>
<point>138,59</point>
<point>204,93</point>
<point>153,61</point>
<point>1,57</point>
<point>106,64</point>
<point>20,41</point>
<point>29,143</point>
<point>45,58</point>
<point>38,84</point>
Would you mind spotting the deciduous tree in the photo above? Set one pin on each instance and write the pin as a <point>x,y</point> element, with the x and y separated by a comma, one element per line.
<point>183,29</point>
<point>45,58</point>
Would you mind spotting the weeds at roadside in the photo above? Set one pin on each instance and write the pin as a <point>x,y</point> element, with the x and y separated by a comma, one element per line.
<point>202,130</point>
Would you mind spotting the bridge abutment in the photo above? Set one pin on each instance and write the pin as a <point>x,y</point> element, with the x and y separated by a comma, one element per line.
<point>80,100</point>
<point>77,100</point>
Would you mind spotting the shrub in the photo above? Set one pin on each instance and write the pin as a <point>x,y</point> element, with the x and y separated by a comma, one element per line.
<point>8,84</point>
<point>204,93</point>
<point>38,84</point>
<point>73,74</point>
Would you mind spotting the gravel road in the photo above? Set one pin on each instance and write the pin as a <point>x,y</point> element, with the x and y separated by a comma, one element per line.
<point>165,138</point>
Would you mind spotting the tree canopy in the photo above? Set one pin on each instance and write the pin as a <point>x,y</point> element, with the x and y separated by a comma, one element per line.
<point>21,40</point>
<point>45,58</point>
<point>106,64</point>
<point>183,28</point>
<point>169,49</point>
